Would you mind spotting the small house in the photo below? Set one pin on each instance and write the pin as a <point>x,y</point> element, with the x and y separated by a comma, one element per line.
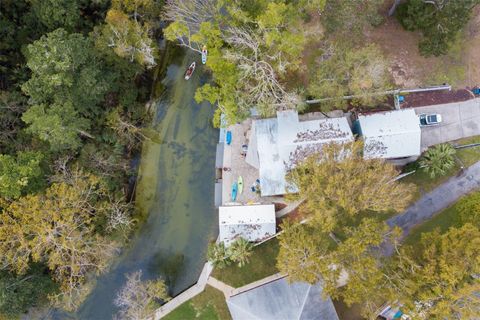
<point>251,222</point>
<point>278,144</point>
<point>390,135</point>
<point>281,300</point>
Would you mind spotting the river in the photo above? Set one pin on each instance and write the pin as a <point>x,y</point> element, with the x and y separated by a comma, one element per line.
<point>175,190</point>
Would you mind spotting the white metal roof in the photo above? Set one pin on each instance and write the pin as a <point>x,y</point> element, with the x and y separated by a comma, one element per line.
<point>251,222</point>
<point>389,135</point>
<point>252,152</point>
<point>281,300</point>
<point>284,141</point>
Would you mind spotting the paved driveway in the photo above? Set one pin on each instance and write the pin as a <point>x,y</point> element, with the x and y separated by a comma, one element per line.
<point>460,120</point>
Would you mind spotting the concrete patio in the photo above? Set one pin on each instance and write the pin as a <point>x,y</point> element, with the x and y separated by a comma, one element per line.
<point>234,162</point>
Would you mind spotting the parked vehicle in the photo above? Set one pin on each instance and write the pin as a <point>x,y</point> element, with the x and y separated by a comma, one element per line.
<point>430,119</point>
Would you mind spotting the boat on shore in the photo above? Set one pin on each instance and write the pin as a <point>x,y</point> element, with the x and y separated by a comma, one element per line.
<point>204,54</point>
<point>190,70</point>
<point>234,191</point>
<point>228,138</point>
<point>240,184</point>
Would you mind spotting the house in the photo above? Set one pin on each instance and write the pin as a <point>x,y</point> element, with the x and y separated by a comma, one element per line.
<point>280,300</point>
<point>390,135</point>
<point>251,222</point>
<point>278,144</point>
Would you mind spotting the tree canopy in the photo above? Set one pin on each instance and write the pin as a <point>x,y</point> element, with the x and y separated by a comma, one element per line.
<point>249,57</point>
<point>64,163</point>
<point>19,292</point>
<point>339,182</point>
<point>58,124</point>
<point>57,13</point>
<point>302,252</point>
<point>21,174</point>
<point>57,228</point>
<point>138,299</point>
<point>361,73</point>
<point>128,30</point>
<point>440,21</point>
<point>349,19</point>
<point>65,69</point>
<point>438,278</point>
<point>438,160</point>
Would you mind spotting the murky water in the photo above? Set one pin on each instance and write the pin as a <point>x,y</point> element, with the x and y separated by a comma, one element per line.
<point>175,189</point>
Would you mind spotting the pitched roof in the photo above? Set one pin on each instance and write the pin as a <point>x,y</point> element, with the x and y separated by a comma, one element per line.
<point>284,141</point>
<point>251,222</point>
<point>394,134</point>
<point>279,300</point>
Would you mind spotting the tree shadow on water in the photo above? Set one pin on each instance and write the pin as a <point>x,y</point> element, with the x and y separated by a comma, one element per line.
<point>169,265</point>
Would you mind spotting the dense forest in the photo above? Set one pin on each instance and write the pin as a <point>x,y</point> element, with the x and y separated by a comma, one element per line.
<point>74,81</point>
<point>75,77</point>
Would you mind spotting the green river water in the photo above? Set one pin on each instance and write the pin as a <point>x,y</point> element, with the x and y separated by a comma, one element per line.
<point>175,190</point>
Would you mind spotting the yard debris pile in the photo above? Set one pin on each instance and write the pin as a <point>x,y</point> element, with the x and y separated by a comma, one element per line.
<point>325,131</point>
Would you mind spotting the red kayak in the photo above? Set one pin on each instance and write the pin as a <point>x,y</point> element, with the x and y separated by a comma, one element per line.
<point>190,70</point>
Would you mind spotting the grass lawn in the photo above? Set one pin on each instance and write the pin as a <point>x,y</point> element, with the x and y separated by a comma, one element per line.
<point>467,157</point>
<point>425,183</point>
<point>442,220</point>
<point>261,265</point>
<point>208,305</point>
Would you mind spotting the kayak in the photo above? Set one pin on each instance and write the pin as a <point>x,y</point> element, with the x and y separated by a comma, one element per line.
<point>234,191</point>
<point>204,54</point>
<point>189,71</point>
<point>228,139</point>
<point>240,184</point>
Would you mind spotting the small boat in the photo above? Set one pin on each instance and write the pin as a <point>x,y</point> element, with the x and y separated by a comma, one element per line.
<point>228,139</point>
<point>234,191</point>
<point>240,184</point>
<point>204,54</point>
<point>189,71</point>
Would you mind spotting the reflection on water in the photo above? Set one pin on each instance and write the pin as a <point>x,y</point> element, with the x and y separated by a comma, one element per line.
<point>175,190</point>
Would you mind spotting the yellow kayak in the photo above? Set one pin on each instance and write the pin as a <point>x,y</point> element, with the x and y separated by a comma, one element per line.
<point>240,185</point>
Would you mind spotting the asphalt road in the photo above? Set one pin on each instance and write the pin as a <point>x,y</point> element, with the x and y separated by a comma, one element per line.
<point>435,201</point>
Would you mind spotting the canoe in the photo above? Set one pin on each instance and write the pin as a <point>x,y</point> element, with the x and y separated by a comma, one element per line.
<point>204,54</point>
<point>228,139</point>
<point>234,191</point>
<point>190,70</point>
<point>240,184</point>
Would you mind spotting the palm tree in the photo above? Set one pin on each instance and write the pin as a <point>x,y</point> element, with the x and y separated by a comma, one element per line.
<point>240,251</point>
<point>218,255</point>
<point>438,160</point>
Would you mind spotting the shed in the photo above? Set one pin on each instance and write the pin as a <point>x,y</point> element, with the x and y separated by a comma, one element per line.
<point>280,300</point>
<point>390,135</point>
<point>251,222</point>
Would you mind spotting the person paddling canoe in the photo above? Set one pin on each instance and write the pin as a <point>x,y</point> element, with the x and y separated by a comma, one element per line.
<point>189,71</point>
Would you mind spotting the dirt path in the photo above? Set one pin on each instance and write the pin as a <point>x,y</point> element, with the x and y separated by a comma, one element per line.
<point>436,200</point>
